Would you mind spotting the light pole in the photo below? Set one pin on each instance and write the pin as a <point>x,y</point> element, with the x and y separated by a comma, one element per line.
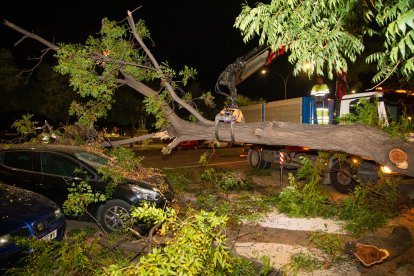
<point>285,79</point>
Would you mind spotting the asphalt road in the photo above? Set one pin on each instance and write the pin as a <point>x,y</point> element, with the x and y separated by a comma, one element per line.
<point>224,157</point>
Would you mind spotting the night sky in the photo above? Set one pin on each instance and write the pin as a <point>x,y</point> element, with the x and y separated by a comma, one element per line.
<point>199,34</point>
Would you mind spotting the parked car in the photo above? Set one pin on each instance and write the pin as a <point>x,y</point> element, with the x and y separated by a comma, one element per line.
<point>50,169</point>
<point>215,144</point>
<point>24,213</point>
<point>188,144</point>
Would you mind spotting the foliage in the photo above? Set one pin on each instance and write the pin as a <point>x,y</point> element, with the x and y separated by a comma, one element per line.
<point>71,256</point>
<point>313,31</point>
<point>203,159</point>
<point>208,99</point>
<point>370,206</point>
<point>397,20</point>
<point>311,170</point>
<point>208,175</point>
<point>367,208</point>
<point>94,70</point>
<point>80,197</point>
<point>187,73</point>
<point>245,101</point>
<point>400,129</point>
<point>330,244</point>
<point>246,206</point>
<point>267,266</point>
<point>229,181</point>
<point>122,163</point>
<point>301,262</point>
<point>25,125</point>
<point>125,158</point>
<point>198,247</point>
<point>329,34</point>
<point>366,112</point>
<point>242,267</point>
<point>225,181</point>
<point>306,200</point>
<point>154,105</point>
<point>178,181</point>
<point>151,215</point>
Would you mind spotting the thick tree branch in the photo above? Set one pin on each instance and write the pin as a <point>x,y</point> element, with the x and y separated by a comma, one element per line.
<point>163,77</point>
<point>31,35</point>
<point>160,135</point>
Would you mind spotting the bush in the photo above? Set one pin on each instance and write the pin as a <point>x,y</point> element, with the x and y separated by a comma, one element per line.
<point>299,200</point>
<point>369,207</point>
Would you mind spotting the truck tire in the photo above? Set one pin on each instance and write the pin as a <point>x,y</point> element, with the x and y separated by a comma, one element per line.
<point>255,159</point>
<point>342,177</point>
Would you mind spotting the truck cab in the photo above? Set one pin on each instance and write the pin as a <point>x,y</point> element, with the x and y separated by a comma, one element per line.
<point>349,103</point>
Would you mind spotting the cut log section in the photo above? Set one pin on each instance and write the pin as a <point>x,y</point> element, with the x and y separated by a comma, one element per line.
<point>374,250</point>
<point>399,158</point>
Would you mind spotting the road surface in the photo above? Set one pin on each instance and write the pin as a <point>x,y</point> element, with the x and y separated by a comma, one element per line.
<point>224,157</point>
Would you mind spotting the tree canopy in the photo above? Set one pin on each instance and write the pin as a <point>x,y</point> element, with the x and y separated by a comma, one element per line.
<point>330,34</point>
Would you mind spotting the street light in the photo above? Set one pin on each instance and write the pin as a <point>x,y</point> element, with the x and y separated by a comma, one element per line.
<point>285,79</point>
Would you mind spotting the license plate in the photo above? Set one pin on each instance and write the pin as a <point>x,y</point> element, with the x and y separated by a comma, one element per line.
<point>50,236</point>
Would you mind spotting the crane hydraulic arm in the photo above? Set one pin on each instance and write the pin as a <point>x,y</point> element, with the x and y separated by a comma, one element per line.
<point>243,68</point>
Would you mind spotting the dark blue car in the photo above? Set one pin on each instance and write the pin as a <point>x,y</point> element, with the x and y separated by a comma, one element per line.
<point>26,214</point>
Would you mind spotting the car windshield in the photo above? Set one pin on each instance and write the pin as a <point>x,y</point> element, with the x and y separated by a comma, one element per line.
<point>92,159</point>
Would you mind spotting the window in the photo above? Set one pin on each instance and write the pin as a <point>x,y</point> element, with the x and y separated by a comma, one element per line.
<point>19,159</point>
<point>60,165</point>
<point>92,159</point>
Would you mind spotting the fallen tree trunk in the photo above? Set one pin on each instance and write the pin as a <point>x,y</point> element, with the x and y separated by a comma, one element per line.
<point>360,140</point>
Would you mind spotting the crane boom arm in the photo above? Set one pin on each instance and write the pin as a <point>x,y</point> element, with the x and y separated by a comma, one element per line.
<point>242,68</point>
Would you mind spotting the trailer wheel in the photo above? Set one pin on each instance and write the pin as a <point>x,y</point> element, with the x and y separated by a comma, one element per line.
<point>342,177</point>
<point>255,159</point>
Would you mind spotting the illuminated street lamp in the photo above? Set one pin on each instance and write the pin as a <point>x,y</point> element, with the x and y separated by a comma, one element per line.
<point>307,66</point>
<point>285,79</point>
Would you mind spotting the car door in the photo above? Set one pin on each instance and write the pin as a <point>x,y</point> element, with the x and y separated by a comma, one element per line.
<point>58,173</point>
<point>17,167</point>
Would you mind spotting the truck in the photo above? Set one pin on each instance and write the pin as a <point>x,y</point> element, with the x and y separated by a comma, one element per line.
<point>343,175</point>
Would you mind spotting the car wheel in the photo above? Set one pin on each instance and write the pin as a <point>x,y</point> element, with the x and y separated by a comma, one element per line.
<point>255,159</point>
<point>114,215</point>
<point>342,177</point>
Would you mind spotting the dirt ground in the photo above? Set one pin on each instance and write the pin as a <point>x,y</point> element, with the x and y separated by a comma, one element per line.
<point>278,241</point>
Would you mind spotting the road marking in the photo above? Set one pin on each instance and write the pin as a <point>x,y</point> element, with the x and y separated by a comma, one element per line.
<point>198,166</point>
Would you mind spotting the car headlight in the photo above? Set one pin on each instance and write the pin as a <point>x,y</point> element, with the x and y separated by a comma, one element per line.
<point>386,170</point>
<point>5,240</point>
<point>145,194</point>
<point>58,213</point>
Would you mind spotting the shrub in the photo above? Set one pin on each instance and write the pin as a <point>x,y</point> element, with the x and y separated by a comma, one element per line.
<point>301,262</point>
<point>330,244</point>
<point>370,206</point>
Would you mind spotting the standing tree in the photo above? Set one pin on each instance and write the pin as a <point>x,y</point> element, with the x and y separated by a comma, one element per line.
<point>119,56</point>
